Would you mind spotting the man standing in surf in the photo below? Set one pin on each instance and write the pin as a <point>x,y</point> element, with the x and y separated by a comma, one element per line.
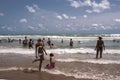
<point>99,47</point>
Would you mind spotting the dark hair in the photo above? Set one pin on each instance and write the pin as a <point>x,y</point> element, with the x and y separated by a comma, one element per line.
<point>39,39</point>
<point>100,37</point>
<point>51,54</point>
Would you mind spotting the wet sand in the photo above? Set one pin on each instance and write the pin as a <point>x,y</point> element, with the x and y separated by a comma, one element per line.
<point>19,60</point>
<point>19,75</point>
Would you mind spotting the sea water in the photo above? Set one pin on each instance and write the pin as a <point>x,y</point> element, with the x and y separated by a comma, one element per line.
<point>83,51</point>
<point>82,44</point>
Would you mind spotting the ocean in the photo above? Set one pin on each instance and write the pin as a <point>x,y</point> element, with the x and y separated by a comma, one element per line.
<point>82,44</point>
<point>73,61</point>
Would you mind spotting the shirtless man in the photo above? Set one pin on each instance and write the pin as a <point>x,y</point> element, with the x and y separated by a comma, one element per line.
<point>99,47</point>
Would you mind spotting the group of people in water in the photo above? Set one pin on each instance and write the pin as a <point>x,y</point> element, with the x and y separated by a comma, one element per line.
<point>40,50</point>
<point>29,43</point>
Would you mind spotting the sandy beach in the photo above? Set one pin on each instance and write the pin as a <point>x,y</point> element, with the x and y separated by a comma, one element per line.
<point>10,69</point>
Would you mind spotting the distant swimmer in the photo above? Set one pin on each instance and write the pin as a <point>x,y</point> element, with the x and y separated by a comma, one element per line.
<point>62,41</point>
<point>20,41</point>
<point>52,46</point>
<point>71,43</point>
<point>25,42</point>
<point>30,43</point>
<point>99,47</point>
<point>79,42</point>
<point>9,40</point>
<point>49,42</point>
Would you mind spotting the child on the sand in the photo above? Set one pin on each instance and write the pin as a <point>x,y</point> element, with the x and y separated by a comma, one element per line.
<point>52,62</point>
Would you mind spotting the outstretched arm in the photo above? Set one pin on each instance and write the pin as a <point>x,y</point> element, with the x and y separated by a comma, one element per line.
<point>103,45</point>
<point>96,46</point>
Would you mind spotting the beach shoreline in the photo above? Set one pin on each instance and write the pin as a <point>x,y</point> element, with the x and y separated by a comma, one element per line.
<point>19,66</point>
<point>13,66</point>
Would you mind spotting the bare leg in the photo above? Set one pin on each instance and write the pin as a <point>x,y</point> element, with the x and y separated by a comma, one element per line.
<point>40,65</point>
<point>101,53</point>
<point>97,54</point>
<point>35,60</point>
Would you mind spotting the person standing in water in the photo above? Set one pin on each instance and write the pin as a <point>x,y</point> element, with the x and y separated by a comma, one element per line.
<point>71,43</point>
<point>30,43</point>
<point>52,46</point>
<point>25,42</point>
<point>39,52</point>
<point>99,47</point>
<point>62,41</point>
<point>49,42</point>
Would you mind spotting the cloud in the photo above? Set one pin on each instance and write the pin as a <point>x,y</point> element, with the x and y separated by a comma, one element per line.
<point>85,16</point>
<point>117,20</point>
<point>23,20</point>
<point>95,25</point>
<point>3,27</point>
<point>89,11</point>
<point>73,17</point>
<point>8,28</point>
<point>96,7</point>
<point>59,17</point>
<point>1,14</point>
<point>40,26</point>
<point>75,4</point>
<point>100,26</point>
<point>32,9</point>
<point>62,22</point>
<point>99,7</point>
<point>65,16</point>
<point>31,27</point>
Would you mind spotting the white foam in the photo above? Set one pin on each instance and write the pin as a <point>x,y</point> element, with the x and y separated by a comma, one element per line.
<point>17,68</point>
<point>57,51</point>
<point>101,61</point>
<point>95,61</point>
<point>11,69</point>
<point>76,75</point>
<point>86,75</point>
<point>17,50</point>
<point>52,71</point>
<point>73,50</point>
<point>67,60</point>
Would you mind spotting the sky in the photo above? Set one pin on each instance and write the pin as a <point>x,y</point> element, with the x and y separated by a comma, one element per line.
<point>59,16</point>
